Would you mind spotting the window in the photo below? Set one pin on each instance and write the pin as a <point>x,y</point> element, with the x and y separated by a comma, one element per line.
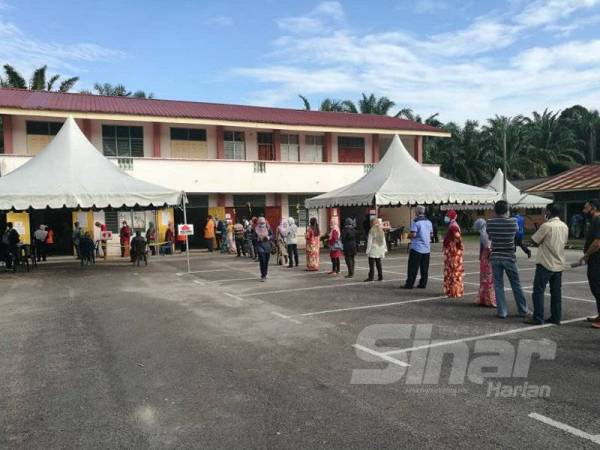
<point>234,145</point>
<point>188,143</point>
<point>266,151</point>
<point>351,149</point>
<point>188,134</point>
<point>123,142</point>
<point>297,210</point>
<point>43,128</point>
<point>314,148</point>
<point>39,134</point>
<point>290,147</point>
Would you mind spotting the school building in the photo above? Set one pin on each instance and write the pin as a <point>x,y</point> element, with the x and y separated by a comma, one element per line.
<point>230,159</point>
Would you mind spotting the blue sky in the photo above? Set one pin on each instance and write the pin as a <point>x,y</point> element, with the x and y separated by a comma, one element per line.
<point>463,59</point>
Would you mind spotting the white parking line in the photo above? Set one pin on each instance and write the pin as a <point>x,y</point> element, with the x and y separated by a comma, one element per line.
<point>481,336</point>
<point>327,286</point>
<point>275,313</point>
<point>379,305</point>
<point>381,355</point>
<point>202,271</point>
<point>239,299</point>
<point>595,438</point>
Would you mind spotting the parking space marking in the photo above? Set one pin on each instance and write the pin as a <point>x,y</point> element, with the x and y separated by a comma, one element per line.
<point>595,438</point>
<point>381,355</point>
<point>282,316</point>
<point>481,336</point>
<point>547,294</point>
<point>326,286</point>
<point>201,271</point>
<point>239,299</point>
<point>378,305</point>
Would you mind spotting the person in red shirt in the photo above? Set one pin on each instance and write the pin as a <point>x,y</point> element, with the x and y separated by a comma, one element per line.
<point>125,237</point>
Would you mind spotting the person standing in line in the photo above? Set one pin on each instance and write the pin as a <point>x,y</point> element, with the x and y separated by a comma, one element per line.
<point>502,231</point>
<point>591,256</point>
<point>487,296</point>
<point>231,238</point>
<point>349,244</point>
<point>281,242</point>
<point>376,250</point>
<point>292,243</point>
<point>520,236</point>
<point>125,238</point>
<point>138,249</point>
<point>40,237</point>
<point>551,238</point>
<point>168,247</point>
<point>209,233</point>
<point>238,233</point>
<point>11,239</point>
<point>454,268</point>
<point>421,235</point>
<point>313,245</point>
<point>49,241</point>
<point>76,237</point>
<point>335,246</point>
<point>151,238</point>
<point>263,246</point>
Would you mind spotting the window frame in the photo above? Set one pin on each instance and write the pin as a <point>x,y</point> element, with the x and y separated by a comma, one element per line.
<point>314,146</point>
<point>238,143</point>
<point>286,146</point>
<point>118,138</point>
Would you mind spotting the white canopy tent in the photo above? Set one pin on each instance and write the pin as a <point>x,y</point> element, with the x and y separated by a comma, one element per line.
<point>70,172</point>
<point>400,180</point>
<point>514,197</point>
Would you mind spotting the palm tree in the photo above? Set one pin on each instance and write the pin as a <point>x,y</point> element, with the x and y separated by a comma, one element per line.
<point>585,124</point>
<point>37,82</point>
<point>334,105</point>
<point>305,101</point>
<point>373,105</point>
<point>117,90</point>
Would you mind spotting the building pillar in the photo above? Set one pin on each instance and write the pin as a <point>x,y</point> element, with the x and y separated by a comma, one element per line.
<point>328,147</point>
<point>221,199</point>
<point>87,128</point>
<point>220,142</point>
<point>375,148</point>
<point>156,150</point>
<point>418,152</point>
<point>8,134</point>
<point>277,145</point>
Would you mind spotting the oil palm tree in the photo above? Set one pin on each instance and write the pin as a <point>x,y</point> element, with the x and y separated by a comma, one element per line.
<point>38,81</point>
<point>373,105</point>
<point>117,90</point>
<point>585,124</point>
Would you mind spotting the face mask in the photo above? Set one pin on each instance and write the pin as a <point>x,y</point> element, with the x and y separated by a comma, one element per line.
<point>446,219</point>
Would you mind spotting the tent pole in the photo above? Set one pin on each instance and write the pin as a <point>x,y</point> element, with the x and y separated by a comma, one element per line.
<point>187,244</point>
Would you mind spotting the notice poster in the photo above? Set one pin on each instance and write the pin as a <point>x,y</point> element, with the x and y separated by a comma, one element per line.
<point>20,222</point>
<point>139,220</point>
<point>165,217</point>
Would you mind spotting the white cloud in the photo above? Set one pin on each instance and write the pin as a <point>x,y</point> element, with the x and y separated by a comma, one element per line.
<point>219,21</point>
<point>318,20</point>
<point>460,74</point>
<point>27,53</point>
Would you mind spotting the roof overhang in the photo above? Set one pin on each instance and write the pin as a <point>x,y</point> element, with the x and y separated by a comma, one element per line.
<point>227,123</point>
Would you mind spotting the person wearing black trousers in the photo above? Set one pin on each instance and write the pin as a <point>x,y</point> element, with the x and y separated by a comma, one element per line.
<point>421,232</point>
<point>349,243</point>
<point>292,243</point>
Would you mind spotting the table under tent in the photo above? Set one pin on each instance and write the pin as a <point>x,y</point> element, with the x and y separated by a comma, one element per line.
<point>395,185</point>
<point>71,178</point>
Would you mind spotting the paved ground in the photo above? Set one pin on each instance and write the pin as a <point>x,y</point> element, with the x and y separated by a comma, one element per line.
<point>115,356</point>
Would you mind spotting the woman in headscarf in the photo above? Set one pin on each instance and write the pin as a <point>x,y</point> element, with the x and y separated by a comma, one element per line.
<point>335,246</point>
<point>151,237</point>
<point>349,244</point>
<point>313,245</point>
<point>453,258</point>
<point>376,249</point>
<point>487,296</point>
<point>292,242</point>
<point>231,244</point>
<point>281,236</point>
<point>263,246</point>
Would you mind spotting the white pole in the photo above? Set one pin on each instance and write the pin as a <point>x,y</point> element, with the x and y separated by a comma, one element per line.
<point>187,245</point>
<point>505,164</point>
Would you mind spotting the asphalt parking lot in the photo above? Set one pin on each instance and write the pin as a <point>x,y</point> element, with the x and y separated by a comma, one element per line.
<point>116,356</point>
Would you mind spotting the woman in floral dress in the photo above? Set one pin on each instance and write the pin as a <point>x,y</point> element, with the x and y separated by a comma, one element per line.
<point>453,258</point>
<point>312,246</point>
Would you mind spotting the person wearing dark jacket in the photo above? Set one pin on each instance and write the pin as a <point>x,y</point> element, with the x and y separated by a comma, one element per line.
<point>264,245</point>
<point>349,244</point>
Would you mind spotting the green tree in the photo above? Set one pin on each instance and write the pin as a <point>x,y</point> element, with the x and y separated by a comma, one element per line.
<point>117,90</point>
<point>585,126</point>
<point>373,105</point>
<point>38,81</point>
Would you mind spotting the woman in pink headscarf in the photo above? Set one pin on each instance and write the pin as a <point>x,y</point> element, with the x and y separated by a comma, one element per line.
<point>454,268</point>
<point>335,246</point>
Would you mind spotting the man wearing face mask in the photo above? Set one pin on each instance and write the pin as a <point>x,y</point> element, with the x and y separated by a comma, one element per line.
<point>592,253</point>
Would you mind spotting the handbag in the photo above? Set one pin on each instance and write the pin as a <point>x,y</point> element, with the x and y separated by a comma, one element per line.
<point>337,245</point>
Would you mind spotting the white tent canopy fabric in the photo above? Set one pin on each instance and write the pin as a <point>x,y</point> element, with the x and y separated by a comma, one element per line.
<point>70,172</point>
<point>514,197</point>
<point>400,180</point>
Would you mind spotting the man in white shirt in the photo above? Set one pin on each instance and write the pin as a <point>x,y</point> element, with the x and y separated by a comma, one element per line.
<point>551,238</point>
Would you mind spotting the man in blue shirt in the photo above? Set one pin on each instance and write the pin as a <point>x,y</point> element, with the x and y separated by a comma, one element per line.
<point>421,231</point>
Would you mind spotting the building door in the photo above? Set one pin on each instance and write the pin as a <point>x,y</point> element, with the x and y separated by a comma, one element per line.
<point>351,149</point>
<point>273,216</point>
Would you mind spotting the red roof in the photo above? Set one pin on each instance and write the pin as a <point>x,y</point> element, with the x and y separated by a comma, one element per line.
<point>88,103</point>
<point>582,178</point>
